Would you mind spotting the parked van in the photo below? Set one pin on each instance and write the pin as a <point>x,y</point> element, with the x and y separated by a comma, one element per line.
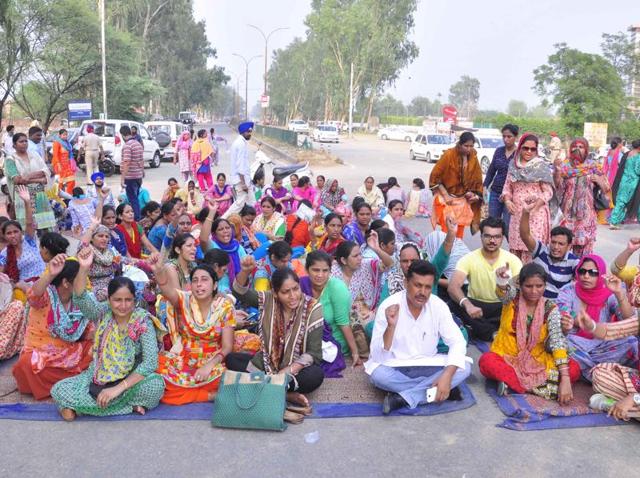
<point>109,132</point>
<point>163,131</point>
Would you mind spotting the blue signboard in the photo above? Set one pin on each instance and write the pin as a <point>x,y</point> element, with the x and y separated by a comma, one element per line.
<point>79,110</point>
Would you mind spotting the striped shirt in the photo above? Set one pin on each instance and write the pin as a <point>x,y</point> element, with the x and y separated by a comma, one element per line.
<point>559,273</point>
<point>133,157</point>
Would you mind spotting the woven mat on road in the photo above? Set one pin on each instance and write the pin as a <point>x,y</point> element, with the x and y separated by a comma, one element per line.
<point>527,412</point>
<point>349,396</point>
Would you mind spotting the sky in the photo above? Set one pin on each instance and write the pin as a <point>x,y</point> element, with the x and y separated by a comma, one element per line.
<point>498,42</point>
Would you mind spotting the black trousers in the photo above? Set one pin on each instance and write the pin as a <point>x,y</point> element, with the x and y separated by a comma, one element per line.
<point>307,380</point>
<point>484,327</point>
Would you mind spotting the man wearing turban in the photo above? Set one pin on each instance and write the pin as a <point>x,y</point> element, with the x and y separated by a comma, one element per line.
<point>240,173</point>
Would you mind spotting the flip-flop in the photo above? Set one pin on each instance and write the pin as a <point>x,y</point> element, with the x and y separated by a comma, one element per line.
<point>293,418</point>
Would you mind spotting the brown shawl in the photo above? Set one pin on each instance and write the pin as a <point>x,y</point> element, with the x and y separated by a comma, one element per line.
<point>448,172</point>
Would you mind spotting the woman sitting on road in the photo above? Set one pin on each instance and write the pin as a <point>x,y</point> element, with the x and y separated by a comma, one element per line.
<point>243,231</point>
<point>270,222</point>
<point>290,325</point>
<point>356,230</point>
<point>59,336</point>
<point>332,237</point>
<point>363,277</point>
<point>280,195</point>
<point>168,214</point>
<point>218,234</point>
<point>529,353</point>
<point>372,195</point>
<point>21,260</point>
<point>605,300</point>
<point>106,260</point>
<point>335,298</point>
<point>133,234</point>
<point>121,379</point>
<point>221,193</point>
<point>201,333</point>
<point>331,197</point>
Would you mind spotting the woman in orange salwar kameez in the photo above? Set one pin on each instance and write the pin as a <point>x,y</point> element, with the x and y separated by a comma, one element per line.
<point>456,182</point>
<point>62,161</point>
<point>202,334</point>
<point>59,338</point>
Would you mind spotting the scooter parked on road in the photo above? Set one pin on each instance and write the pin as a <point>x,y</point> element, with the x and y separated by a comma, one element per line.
<point>261,159</point>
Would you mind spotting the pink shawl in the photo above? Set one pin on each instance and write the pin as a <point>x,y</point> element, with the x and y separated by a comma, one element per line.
<point>595,299</point>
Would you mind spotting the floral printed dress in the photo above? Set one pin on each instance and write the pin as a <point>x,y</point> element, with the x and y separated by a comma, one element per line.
<point>117,353</point>
<point>196,340</point>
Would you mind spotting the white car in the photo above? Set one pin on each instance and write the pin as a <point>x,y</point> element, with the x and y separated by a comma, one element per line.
<point>299,126</point>
<point>325,133</point>
<point>160,130</point>
<point>429,146</point>
<point>109,132</point>
<point>394,133</point>
<point>485,147</point>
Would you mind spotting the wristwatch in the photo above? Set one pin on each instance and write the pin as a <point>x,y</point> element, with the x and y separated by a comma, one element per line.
<point>636,399</point>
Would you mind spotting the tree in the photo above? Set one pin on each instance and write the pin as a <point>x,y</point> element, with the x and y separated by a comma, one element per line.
<point>584,87</point>
<point>465,95</point>
<point>19,27</point>
<point>621,53</point>
<point>517,108</point>
<point>67,63</point>
<point>420,106</point>
<point>389,106</point>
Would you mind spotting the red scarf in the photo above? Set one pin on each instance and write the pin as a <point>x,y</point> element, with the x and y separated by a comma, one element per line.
<point>595,299</point>
<point>11,268</point>
<point>134,244</point>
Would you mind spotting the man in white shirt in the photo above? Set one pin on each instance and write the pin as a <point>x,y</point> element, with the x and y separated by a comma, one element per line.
<point>240,173</point>
<point>404,358</point>
<point>7,143</point>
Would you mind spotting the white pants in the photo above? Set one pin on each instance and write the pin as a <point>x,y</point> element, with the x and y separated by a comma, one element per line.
<point>91,163</point>
<point>241,197</point>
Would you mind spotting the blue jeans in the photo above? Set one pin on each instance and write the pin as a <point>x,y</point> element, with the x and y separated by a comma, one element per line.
<point>498,210</point>
<point>411,383</point>
<point>133,189</point>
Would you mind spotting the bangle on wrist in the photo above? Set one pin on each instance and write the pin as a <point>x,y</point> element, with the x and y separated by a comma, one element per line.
<point>593,327</point>
<point>462,301</point>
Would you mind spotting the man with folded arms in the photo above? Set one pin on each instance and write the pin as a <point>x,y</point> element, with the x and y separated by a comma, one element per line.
<point>404,356</point>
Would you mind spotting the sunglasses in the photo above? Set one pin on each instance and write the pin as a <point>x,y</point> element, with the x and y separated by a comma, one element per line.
<point>591,272</point>
<point>529,150</point>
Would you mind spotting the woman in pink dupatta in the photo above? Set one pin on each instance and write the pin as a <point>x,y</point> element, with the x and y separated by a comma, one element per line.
<point>182,154</point>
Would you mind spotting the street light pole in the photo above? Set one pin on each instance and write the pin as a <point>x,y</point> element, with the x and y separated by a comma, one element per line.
<point>266,56</point>
<point>104,59</point>
<point>246,79</point>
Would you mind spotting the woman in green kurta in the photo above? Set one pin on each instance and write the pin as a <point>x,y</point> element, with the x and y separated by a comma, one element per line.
<point>121,379</point>
<point>628,185</point>
<point>335,298</point>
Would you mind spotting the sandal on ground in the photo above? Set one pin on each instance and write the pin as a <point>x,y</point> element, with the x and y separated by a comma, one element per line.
<point>306,411</point>
<point>293,418</point>
<point>614,227</point>
<point>502,389</point>
<point>67,414</point>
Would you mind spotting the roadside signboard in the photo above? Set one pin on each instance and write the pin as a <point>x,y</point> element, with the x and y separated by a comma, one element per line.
<point>79,110</point>
<point>449,114</point>
<point>596,134</point>
<point>264,101</point>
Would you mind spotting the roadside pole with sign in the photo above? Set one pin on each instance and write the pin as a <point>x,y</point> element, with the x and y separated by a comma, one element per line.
<point>79,110</point>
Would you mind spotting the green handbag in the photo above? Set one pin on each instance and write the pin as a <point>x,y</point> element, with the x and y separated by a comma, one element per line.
<point>251,400</point>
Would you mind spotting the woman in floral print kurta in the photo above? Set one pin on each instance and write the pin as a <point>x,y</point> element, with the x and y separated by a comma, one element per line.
<point>121,379</point>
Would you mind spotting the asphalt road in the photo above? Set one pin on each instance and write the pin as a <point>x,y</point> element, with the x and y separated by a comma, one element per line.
<point>466,443</point>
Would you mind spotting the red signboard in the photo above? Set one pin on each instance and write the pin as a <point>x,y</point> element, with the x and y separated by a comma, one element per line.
<point>450,114</point>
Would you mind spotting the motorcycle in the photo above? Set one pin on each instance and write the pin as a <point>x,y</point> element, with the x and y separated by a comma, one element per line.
<point>261,159</point>
<point>106,164</point>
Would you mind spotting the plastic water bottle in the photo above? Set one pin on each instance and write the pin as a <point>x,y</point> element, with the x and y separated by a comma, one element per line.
<point>312,437</point>
<point>601,402</point>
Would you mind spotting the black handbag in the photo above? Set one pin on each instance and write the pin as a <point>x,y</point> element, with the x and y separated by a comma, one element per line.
<point>600,199</point>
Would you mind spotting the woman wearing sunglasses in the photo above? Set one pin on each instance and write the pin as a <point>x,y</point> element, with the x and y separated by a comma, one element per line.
<point>603,297</point>
<point>529,183</point>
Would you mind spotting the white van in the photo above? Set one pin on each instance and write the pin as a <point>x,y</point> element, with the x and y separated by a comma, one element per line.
<point>109,132</point>
<point>171,128</point>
